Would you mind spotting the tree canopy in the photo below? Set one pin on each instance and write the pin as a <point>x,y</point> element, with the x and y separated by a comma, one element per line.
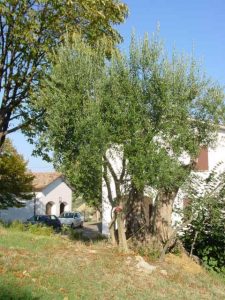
<point>157,108</point>
<point>15,181</point>
<point>29,32</point>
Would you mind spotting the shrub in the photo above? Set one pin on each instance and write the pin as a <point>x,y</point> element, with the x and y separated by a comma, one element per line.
<point>65,230</point>
<point>77,235</point>
<point>149,252</point>
<point>205,236</point>
<point>209,245</point>
<point>40,229</point>
<point>16,225</point>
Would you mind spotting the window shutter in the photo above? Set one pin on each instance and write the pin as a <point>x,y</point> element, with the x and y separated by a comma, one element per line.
<point>202,163</point>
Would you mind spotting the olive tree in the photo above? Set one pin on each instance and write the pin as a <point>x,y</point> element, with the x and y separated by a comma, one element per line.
<point>156,108</point>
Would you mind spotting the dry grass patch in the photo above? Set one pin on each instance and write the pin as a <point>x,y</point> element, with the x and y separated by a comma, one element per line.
<point>35,267</point>
<point>185,263</point>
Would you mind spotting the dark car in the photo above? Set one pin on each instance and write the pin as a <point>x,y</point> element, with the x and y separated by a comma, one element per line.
<point>48,220</point>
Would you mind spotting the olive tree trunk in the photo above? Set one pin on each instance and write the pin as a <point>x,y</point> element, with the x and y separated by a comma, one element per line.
<point>161,222</point>
<point>136,217</point>
<point>117,222</point>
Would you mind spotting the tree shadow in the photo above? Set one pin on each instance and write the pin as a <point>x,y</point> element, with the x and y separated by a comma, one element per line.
<point>16,293</point>
<point>99,226</point>
<point>89,233</point>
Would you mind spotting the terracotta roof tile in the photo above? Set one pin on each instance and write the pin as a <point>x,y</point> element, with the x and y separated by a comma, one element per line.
<point>43,179</point>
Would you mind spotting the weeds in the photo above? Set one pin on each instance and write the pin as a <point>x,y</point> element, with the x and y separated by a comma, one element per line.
<point>37,229</point>
<point>40,230</point>
<point>150,253</point>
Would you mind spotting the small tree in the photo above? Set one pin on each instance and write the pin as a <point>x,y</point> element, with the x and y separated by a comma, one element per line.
<point>15,181</point>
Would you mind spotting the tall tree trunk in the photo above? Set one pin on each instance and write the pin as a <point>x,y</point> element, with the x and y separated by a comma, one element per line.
<point>121,233</point>
<point>4,123</point>
<point>136,218</point>
<point>118,211</point>
<point>161,223</point>
<point>112,230</point>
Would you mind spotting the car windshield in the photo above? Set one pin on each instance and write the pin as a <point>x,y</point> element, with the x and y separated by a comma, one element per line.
<point>53,217</point>
<point>67,215</point>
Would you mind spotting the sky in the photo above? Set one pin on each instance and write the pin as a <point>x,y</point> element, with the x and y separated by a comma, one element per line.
<point>191,25</point>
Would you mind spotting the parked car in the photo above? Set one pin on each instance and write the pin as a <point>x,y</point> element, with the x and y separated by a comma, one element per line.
<point>48,220</point>
<point>73,219</point>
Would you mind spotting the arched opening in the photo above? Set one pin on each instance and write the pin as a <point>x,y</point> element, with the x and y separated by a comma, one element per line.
<point>48,209</point>
<point>62,208</point>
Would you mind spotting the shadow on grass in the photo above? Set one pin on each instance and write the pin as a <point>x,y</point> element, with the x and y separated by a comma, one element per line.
<point>15,293</point>
<point>87,234</point>
<point>99,226</point>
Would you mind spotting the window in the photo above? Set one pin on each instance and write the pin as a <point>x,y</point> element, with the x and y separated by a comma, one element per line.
<point>68,215</point>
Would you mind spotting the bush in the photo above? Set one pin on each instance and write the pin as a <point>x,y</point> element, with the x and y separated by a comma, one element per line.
<point>205,236</point>
<point>37,229</point>
<point>40,229</point>
<point>77,235</point>
<point>209,245</point>
<point>16,225</point>
<point>65,230</point>
<point>149,252</point>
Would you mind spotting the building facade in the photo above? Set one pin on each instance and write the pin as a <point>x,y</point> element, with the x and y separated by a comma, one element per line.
<point>52,196</point>
<point>208,159</point>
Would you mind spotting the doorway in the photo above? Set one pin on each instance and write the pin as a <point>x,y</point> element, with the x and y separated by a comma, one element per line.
<point>62,208</point>
<point>48,209</point>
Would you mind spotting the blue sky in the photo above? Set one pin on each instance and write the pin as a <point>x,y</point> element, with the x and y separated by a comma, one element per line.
<point>185,25</point>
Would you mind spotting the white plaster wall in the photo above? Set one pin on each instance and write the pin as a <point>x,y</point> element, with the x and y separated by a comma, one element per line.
<point>39,206</point>
<point>15,213</point>
<point>56,192</point>
<point>216,154</point>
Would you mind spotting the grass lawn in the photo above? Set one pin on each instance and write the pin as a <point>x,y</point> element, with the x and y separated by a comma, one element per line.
<point>54,267</point>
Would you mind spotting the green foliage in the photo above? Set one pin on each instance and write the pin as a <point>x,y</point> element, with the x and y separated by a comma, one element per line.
<point>40,229</point>
<point>79,157</point>
<point>155,107</point>
<point>16,225</point>
<point>77,236</point>
<point>209,246</point>
<point>206,208</point>
<point>15,181</point>
<point>36,229</point>
<point>149,252</point>
<point>30,30</point>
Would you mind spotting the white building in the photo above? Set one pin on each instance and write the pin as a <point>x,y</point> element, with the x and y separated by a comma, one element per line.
<point>52,196</point>
<point>207,160</point>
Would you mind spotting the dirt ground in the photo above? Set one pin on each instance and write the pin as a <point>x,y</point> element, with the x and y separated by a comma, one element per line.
<point>90,230</point>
